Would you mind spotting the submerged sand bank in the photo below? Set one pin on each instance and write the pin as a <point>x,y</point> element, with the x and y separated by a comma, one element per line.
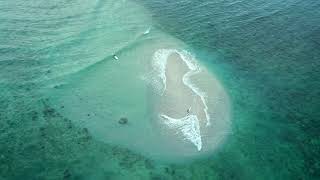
<point>105,90</point>
<point>153,85</point>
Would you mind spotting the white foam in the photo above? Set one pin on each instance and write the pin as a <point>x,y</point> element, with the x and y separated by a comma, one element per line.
<point>147,31</point>
<point>189,125</point>
<point>159,66</point>
<point>159,63</point>
<point>194,69</point>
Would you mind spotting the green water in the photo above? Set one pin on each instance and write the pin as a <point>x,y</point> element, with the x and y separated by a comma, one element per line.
<point>57,74</point>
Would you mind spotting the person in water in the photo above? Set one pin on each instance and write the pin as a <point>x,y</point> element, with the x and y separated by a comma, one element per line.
<point>188,111</point>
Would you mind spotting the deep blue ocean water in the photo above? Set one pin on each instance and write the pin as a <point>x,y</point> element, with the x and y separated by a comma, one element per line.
<point>266,54</point>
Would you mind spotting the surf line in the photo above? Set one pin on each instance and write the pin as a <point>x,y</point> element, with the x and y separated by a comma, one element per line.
<point>188,125</point>
<point>194,69</point>
<point>160,58</point>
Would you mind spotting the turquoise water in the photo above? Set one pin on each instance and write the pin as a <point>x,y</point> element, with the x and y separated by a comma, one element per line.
<point>61,87</point>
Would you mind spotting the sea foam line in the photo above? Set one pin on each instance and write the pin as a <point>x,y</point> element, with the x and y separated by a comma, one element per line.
<point>159,63</point>
<point>188,125</point>
<point>194,69</point>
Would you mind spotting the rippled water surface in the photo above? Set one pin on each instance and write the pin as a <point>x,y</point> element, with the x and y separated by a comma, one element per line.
<point>62,92</point>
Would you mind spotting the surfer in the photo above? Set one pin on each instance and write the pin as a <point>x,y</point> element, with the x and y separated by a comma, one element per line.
<point>115,57</point>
